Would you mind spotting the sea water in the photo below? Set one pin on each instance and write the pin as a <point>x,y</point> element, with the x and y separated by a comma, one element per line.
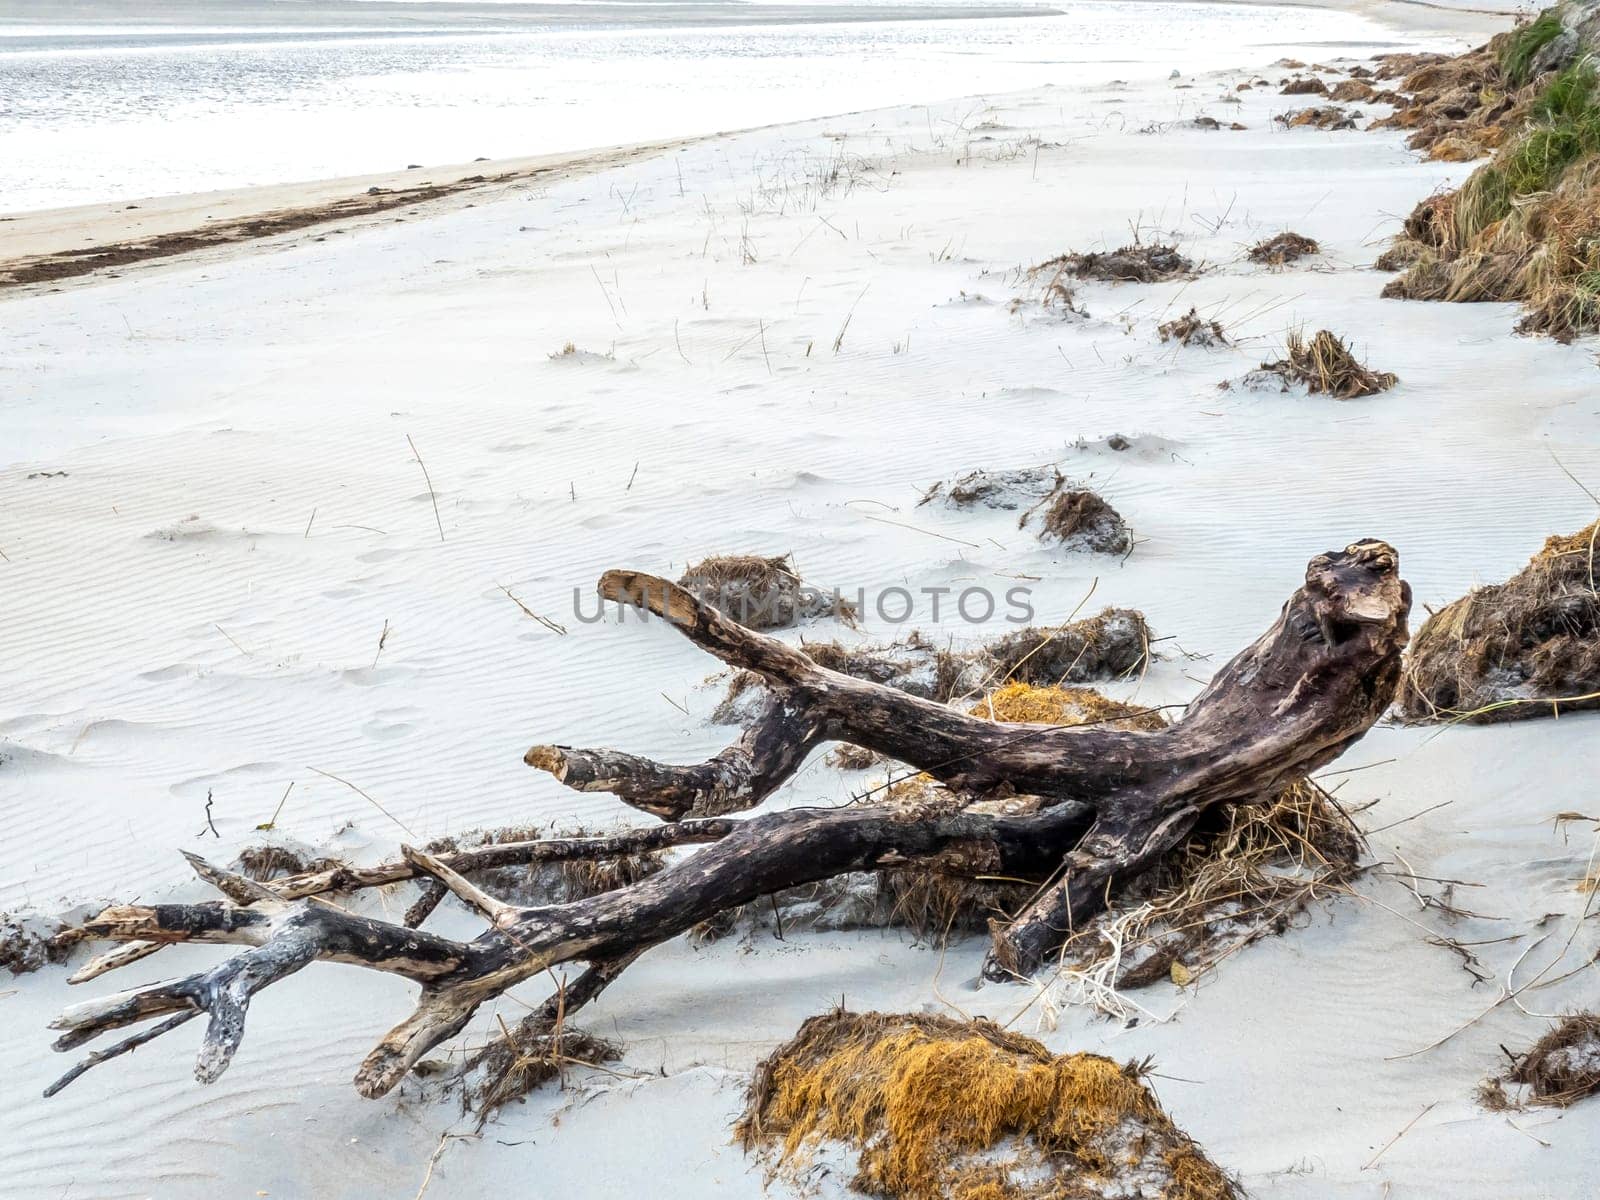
<point>115,100</point>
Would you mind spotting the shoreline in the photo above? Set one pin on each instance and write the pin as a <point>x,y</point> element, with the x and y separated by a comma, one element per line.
<point>120,234</point>
<point>44,249</point>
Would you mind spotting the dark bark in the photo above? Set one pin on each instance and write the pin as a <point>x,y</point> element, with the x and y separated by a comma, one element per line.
<point>1105,804</point>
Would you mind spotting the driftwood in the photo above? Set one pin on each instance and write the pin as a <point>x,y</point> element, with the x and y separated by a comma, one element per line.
<point>1088,807</point>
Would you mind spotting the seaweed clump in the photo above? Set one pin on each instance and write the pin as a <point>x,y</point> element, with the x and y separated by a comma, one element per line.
<point>1529,647</point>
<point>1356,89</point>
<point>932,1108</point>
<point>1325,364</point>
<point>1455,108</point>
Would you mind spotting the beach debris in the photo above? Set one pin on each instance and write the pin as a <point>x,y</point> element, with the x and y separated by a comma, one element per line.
<point>1303,85</point>
<point>1325,116</point>
<point>762,592</point>
<point>930,900</point>
<point>1278,709</point>
<point>1283,248</point>
<point>1529,647</point>
<point>275,860</point>
<point>1139,262</point>
<point>1053,283</point>
<point>1077,519</point>
<point>1558,1070</point>
<point>928,1107</point>
<point>1013,489</point>
<point>1017,702</point>
<point>1358,91</point>
<point>1112,644</point>
<point>1525,226</point>
<point>851,758</point>
<point>570,353</point>
<point>224,231</point>
<point>1192,329</point>
<point>1065,513</point>
<point>1323,364</point>
<point>31,941</point>
<point>1456,108</point>
<point>560,882</point>
<point>1403,252</point>
<point>527,880</point>
<point>522,1058</point>
<point>1240,876</point>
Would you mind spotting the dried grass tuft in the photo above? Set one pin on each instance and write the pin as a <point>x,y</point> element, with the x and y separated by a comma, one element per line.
<point>1524,227</point>
<point>1282,248</point>
<point>761,592</point>
<point>1529,647</point>
<point>267,861</point>
<point>932,1108</point>
<point>1559,1069</point>
<point>1245,873</point>
<point>849,757</point>
<point>1025,703</point>
<point>1325,364</point>
<point>1403,252</point>
<point>1192,329</point>
<point>521,1059</point>
<point>1564,1065</point>
<point>1079,520</point>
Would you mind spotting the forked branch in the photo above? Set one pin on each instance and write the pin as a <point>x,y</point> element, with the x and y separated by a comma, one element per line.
<point>1097,807</point>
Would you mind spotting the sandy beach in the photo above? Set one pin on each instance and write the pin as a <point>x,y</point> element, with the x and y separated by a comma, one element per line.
<point>275,512</point>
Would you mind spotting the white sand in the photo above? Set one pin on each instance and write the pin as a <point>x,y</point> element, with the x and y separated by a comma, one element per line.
<point>195,607</point>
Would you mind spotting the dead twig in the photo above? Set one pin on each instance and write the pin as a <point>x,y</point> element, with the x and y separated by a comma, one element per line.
<point>432,495</point>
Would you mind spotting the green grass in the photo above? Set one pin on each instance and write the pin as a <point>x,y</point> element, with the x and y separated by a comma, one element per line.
<point>1566,128</point>
<point>1570,96</point>
<point>1516,60</point>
